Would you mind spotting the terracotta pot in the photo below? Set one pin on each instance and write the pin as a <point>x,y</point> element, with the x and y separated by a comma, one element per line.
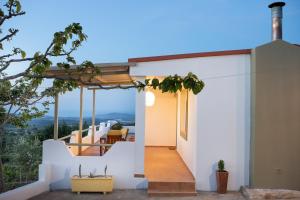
<point>222,179</point>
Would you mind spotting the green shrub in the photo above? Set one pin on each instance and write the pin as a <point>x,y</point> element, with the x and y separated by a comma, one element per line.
<point>221,165</point>
<point>116,126</point>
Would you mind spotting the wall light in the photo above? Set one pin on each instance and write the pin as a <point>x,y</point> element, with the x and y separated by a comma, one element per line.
<point>150,98</point>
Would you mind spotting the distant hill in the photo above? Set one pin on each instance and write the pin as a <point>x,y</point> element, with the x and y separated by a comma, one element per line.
<point>124,118</point>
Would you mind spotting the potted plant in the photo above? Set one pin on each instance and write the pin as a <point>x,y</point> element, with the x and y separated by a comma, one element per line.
<point>116,126</point>
<point>222,177</point>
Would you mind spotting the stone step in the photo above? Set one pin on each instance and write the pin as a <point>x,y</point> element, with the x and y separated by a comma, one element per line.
<point>166,188</point>
<point>156,193</point>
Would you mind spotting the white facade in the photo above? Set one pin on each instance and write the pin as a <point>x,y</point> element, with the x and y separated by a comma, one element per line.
<point>219,117</point>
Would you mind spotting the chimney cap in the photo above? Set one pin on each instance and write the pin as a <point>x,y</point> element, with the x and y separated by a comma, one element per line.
<point>277,4</point>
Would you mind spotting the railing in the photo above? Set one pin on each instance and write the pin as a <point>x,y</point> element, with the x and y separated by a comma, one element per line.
<point>103,147</point>
<point>70,135</point>
<point>77,146</point>
<point>86,141</point>
<point>66,137</point>
<point>85,144</point>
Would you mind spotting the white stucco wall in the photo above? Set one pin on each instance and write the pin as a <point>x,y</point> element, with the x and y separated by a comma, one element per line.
<point>120,160</point>
<point>160,120</point>
<point>139,131</point>
<point>188,148</point>
<point>219,117</point>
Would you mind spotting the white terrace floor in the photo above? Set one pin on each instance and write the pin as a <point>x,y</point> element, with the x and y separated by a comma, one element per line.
<point>132,195</point>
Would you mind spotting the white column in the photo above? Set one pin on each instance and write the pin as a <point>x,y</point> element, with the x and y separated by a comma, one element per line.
<point>140,104</point>
<point>80,120</point>
<point>93,118</point>
<point>55,117</point>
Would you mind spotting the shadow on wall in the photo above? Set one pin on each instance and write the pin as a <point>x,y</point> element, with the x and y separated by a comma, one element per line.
<point>62,182</point>
<point>212,177</point>
<point>142,185</point>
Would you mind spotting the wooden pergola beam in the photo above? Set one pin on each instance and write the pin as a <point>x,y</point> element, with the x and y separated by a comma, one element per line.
<point>55,134</point>
<point>93,117</point>
<point>80,120</point>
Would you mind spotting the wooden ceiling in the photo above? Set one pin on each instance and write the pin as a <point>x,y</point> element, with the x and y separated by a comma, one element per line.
<point>104,74</point>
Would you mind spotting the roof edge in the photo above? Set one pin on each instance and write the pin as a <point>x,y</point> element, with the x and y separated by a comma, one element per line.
<point>190,55</point>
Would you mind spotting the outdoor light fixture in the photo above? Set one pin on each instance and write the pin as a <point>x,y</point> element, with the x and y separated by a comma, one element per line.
<point>150,98</point>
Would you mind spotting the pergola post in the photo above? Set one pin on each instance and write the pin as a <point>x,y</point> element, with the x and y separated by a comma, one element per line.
<point>80,121</point>
<point>93,117</point>
<point>55,132</point>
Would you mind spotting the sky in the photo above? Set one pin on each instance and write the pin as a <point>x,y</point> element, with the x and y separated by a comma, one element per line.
<point>118,30</point>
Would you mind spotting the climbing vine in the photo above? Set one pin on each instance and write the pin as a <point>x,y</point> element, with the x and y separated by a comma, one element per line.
<point>174,83</point>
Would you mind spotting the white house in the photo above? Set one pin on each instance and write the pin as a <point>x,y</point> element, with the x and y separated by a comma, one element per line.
<point>247,115</point>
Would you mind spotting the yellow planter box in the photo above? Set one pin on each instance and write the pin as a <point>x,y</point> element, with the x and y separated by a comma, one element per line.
<point>97,184</point>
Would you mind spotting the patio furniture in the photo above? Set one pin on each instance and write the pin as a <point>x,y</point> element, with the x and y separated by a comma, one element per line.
<point>114,136</point>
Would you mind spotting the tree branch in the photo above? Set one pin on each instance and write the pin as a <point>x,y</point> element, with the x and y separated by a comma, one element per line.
<point>10,13</point>
<point>28,69</point>
<point>8,36</point>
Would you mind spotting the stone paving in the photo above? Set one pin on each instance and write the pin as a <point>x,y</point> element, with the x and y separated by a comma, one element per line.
<point>133,195</point>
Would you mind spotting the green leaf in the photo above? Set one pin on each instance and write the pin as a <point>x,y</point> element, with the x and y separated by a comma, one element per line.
<point>23,54</point>
<point>1,13</point>
<point>147,81</point>
<point>155,83</point>
<point>18,6</point>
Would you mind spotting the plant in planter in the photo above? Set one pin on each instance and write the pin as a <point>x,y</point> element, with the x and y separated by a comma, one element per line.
<point>79,171</point>
<point>105,170</point>
<point>117,126</point>
<point>222,177</point>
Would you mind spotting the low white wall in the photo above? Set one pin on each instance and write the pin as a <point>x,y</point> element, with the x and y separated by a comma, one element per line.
<point>160,125</point>
<point>33,189</point>
<point>120,160</point>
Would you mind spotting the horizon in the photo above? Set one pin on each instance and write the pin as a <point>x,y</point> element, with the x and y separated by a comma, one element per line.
<point>87,116</point>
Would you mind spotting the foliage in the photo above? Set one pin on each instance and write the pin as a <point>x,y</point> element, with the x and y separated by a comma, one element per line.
<point>221,166</point>
<point>20,92</point>
<point>22,152</point>
<point>116,126</point>
<point>174,83</point>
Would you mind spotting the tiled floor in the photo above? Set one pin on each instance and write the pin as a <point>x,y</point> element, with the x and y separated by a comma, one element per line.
<point>163,164</point>
<point>132,195</point>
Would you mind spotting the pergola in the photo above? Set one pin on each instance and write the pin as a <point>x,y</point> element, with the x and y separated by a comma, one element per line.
<point>101,76</point>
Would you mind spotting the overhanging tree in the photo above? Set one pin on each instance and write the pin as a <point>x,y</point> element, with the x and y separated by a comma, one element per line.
<point>20,92</point>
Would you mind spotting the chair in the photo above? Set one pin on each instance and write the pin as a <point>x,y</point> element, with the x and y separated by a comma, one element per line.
<point>124,132</point>
<point>114,136</point>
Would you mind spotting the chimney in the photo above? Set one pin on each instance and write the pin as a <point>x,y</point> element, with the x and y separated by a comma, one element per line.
<point>276,9</point>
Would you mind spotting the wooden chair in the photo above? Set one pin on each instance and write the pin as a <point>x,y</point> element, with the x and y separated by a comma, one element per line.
<point>124,132</point>
<point>114,136</point>
<point>111,139</point>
